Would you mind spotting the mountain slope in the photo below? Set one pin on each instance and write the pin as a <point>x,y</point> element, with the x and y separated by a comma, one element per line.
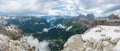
<point>113,20</point>
<point>11,39</point>
<point>99,38</point>
<point>6,44</point>
<point>56,29</point>
<point>11,31</point>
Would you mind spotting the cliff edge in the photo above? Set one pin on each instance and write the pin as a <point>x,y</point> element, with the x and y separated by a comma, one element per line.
<point>6,44</point>
<point>12,39</point>
<point>112,20</point>
<point>99,38</point>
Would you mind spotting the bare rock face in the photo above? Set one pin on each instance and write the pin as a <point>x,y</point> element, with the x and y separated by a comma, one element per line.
<point>84,19</point>
<point>74,43</point>
<point>11,31</point>
<point>90,16</point>
<point>99,38</point>
<point>3,22</point>
<point>11,39</point>
<point>113,16</point>
<point>113,20</point>
<point>6,44</point>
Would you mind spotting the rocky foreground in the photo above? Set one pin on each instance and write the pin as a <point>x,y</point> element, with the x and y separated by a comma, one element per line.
<point>11,39</point>
<point>99,38</point>
<point>6,44</point>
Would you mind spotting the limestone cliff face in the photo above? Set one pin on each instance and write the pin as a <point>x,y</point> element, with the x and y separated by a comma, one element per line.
<point>11,39</point>
<point>113,16</point>
<point>12,31</point>
<point>6,44</point>
<point>113,20</point>
<point>99,38</point>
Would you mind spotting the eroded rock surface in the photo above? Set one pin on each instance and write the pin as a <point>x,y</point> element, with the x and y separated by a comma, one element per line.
<point>99,38</point>
<point>6,44</point>
<point>12,31</point>
<point>113,20</point>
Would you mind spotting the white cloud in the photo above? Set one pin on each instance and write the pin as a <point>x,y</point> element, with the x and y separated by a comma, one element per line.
<point>44,7</point>
<point>41,46</point>
<point>10,6</point>
<point>45,29</point>
<point>25,6</point>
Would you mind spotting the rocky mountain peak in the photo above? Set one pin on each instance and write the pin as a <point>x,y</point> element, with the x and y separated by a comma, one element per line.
<point>113,16</point>
<point>84,19</point>
<point>113,20</point>
<point>90,16</point>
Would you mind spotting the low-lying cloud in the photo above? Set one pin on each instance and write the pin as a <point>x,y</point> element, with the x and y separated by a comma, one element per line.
<point>41,46</point>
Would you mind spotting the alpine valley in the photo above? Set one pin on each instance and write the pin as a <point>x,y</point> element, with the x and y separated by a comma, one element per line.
<point>56,33</point>
<point>51,30</point>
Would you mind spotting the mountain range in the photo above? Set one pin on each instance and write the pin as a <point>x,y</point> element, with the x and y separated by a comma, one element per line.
<point>55,29</point>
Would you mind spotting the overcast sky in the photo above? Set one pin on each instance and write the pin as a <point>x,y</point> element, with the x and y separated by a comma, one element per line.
<point>59,7</point>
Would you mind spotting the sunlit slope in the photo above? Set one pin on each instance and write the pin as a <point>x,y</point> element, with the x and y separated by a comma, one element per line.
<point>99,38</point>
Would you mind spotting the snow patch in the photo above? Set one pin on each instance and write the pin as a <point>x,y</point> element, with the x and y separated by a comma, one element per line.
<point>69,28</point>
<point>51,19</point>
<point>60,26</point>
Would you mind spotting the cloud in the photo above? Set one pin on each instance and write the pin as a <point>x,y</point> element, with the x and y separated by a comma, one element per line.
<point>46,29</point>
<point>117,7</point>
<point>41,46</point>
<point>57,7</point>
<point>25,7</point>
<point>99,7</point>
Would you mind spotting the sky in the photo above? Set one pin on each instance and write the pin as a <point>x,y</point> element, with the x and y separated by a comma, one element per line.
<point>59,7</point>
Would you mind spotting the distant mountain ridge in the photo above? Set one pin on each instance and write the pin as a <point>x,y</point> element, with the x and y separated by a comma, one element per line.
<point>102,35</point>
<point>43,27</point>
<point>112,20</point>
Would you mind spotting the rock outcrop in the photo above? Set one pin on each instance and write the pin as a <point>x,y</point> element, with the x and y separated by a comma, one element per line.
<point>11,31</point>
<point>6,44</point>
<point>113,20</point>
<point>84,19</point>
<point>99,38</point>
<point>113,16</point>
<point>11,39</point>
<point>3,22</point>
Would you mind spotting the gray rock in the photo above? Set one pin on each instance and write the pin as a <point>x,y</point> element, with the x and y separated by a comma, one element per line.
<point>6,44</point>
